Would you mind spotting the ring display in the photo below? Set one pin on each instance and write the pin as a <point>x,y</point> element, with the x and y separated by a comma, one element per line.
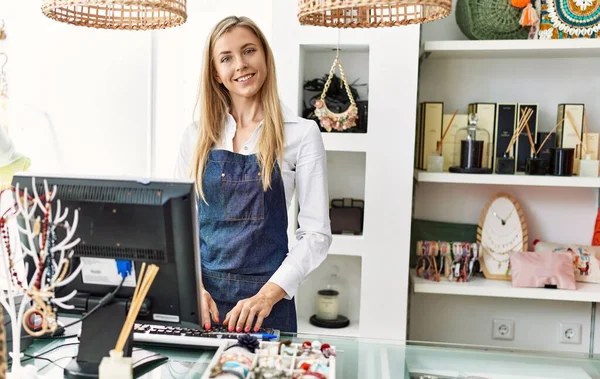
<point>314,359</point>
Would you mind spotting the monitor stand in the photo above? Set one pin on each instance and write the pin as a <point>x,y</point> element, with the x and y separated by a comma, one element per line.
<point>99,334</point>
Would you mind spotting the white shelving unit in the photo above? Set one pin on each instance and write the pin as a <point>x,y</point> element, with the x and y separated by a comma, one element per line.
<point>507,180</point>
<point>458,71</point>
<point>347,245</point>
<point>355,142</point>
<point>357,162</point>
<point>350,331</point>
<point>585,292</point>
<point>510,49</point>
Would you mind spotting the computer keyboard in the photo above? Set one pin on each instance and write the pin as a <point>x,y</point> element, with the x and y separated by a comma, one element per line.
<point>151,334</point>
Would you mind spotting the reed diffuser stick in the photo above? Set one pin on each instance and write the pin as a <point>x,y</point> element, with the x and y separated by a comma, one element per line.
<point>526,114</point>
<point>440,146</point>
<point>142,288</point>
<point>529,135</point>
<point>548,136</point>
<point>519,129</point>
<point>448,126</point>
<point>141,275</point>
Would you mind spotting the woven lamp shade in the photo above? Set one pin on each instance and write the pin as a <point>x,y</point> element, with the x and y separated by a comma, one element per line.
<point>371,13</point>
<point>118,14</point>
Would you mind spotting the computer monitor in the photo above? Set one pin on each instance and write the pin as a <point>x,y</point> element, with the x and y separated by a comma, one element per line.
<point>130,220</point>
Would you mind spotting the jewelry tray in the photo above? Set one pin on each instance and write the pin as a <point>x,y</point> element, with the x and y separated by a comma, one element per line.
<point>263,350</point>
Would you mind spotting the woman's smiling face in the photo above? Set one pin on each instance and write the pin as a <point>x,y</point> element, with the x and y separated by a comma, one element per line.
<point>240,62</point>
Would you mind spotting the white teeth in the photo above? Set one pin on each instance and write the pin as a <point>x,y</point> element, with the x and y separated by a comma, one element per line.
<point>244,78</point>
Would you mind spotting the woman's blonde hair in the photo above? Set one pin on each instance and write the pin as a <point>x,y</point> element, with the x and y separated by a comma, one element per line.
<point>214,104</point>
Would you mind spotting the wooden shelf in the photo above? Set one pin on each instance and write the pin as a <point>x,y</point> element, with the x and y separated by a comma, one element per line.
<point>509,180</point>
<point>479,286</point>
<point>356,142</point>
<point>305,327</point>
<point>347,245</point>
<point>573,48</point>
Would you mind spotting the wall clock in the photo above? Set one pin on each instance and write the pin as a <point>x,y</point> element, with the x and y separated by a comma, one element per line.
<point>502,229</point>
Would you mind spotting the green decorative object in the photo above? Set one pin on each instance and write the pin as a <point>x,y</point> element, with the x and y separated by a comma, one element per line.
<point>426,230</point>
<point>489,20</point>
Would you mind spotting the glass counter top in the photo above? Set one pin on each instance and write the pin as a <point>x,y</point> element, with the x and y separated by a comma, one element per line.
<point>364,358</point>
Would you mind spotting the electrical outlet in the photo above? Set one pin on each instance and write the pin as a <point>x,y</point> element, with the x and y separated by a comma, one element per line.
<point>503,329</point>
<point>570,333</point>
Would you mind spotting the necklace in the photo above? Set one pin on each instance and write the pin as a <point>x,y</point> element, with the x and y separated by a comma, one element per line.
<point>500,262</point>
<point>502,220</point>
<point>504,245</point>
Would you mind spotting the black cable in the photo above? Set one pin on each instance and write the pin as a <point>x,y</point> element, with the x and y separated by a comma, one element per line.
<point>53,349</point>
<point>54,362</point>
<point>105,300</point>
<point>39,356</point>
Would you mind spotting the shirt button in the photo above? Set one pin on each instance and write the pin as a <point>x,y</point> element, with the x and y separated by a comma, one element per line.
<point>245,147</point>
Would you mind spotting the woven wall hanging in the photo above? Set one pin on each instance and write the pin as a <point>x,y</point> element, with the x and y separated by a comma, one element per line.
<point>118,14</point>
<point>371,13</point>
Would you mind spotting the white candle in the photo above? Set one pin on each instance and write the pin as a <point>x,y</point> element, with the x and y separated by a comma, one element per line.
<point>328,304</point>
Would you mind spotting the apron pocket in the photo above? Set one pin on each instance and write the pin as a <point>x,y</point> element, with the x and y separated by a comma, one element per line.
<point>244,199</point>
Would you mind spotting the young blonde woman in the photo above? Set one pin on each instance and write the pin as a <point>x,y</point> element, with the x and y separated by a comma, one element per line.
<point>248,154</point>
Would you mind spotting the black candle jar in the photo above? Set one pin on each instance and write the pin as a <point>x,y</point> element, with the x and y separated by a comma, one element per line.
<point>505,165</point>
<point>561,161</point>
<point>536,166</point>
<point>471,154</point>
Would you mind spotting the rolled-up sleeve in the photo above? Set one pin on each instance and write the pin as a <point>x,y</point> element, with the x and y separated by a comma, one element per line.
<point>314,231</point>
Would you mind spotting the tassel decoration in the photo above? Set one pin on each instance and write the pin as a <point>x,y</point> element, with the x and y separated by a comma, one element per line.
<point>519,3</point>
<point>529,17</point>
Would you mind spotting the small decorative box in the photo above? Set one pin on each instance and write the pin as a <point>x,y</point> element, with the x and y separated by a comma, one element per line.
<point>284,359</point>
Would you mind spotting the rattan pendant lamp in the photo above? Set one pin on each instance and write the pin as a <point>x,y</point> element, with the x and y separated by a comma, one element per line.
<point>118,14</point>
<point>371,13</point>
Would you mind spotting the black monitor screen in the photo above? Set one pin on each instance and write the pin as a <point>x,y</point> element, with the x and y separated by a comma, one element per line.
<point>124,221</point>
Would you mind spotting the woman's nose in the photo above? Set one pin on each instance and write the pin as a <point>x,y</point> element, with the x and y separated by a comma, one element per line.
<point>241,64</point>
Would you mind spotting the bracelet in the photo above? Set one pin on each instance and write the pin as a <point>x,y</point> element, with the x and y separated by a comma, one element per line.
<point>236,358</point>
<point>235,368</point>
<point>313,375</point>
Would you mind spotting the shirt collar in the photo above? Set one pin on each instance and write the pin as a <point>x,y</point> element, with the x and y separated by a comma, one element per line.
<point>288,117</point>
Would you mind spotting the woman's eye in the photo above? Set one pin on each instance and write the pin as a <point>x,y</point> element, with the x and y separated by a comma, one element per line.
<point>249,51</point>
<point>225,59</point>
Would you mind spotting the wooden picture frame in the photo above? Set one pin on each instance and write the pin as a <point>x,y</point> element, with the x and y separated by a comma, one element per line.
<point>502,228</point>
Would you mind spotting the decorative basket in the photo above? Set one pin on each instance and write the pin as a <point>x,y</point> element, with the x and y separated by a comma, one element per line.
<point>371,13</point>
<point>118,14</point>
<point>489,20</point>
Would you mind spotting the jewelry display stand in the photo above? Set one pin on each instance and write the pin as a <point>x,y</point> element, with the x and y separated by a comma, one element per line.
<point>52,259</point>
<point>274,360</point>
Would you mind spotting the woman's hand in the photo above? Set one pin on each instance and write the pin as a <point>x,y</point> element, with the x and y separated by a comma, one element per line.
<point>209,307</point>
<point>259,306</point>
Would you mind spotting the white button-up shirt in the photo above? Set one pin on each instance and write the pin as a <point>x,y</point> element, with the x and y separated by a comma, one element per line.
<point>304,170</point>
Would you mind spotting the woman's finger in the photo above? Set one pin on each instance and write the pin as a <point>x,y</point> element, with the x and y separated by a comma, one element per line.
<point>250,318</point>
<point>233,317</point>
<point>259,320</point>
<point>242,319</point>
<point>214,311</point>
<point>205,312</point>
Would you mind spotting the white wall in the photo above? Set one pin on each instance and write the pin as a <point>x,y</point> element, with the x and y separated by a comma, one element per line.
<point>90,86</point>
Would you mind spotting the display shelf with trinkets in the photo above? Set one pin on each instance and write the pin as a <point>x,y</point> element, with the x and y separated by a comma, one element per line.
<point>459,71</point>
<point>249,358</point>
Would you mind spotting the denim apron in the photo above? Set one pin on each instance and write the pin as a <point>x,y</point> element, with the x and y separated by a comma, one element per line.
<point>243,234</point>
